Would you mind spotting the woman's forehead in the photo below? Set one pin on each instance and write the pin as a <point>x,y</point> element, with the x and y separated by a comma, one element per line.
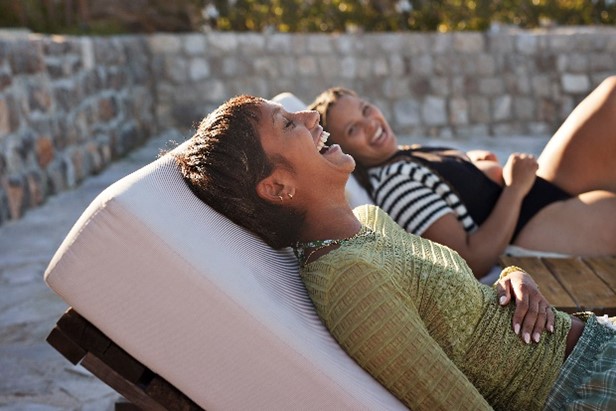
<point>270,114</point>
<point>344,107</point>
<point>348,102</point>
<point>273,108</point>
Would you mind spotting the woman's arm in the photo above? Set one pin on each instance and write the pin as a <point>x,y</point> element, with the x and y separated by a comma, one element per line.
<point>378,325</point>
<point>482,247</point>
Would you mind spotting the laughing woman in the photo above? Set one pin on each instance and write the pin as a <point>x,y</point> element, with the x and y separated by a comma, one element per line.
<point>408,310</point>
<point>563,202</point>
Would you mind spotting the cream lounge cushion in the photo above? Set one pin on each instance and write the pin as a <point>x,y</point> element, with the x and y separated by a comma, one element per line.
<point>204,303</point>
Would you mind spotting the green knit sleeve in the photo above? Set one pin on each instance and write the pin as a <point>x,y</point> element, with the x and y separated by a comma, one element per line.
<point>378,325</point>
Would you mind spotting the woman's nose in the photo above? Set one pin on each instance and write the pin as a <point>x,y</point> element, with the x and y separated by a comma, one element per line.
<point>310,117</point>
<point>370,126</point>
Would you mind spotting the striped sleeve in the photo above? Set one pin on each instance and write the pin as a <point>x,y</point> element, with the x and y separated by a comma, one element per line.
<point>412,195</point>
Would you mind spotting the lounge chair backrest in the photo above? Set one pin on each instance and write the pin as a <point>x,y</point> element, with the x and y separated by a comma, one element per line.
<point>203,303</point>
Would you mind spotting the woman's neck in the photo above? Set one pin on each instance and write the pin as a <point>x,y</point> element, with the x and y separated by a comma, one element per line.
<point>330,223</point>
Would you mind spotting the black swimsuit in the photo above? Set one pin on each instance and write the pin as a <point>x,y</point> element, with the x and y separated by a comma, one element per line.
<point>478,193</point>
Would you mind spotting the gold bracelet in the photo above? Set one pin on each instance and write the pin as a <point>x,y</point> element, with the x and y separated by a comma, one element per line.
<point>510,269</point>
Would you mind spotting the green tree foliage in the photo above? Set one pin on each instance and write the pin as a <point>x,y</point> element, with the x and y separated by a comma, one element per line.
<point>418,15</point>
<point>111,16</point>
<point>102,17</point>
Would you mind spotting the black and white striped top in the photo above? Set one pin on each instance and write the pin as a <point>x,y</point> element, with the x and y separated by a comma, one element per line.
<point>415,197</point>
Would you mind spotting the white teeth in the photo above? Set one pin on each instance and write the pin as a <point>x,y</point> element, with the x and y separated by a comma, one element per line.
<point>377,134</point>
<point>322,140</point>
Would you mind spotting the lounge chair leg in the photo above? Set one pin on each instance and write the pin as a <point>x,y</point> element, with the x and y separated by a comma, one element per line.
<point>79,341</point>
<point>123,405</point>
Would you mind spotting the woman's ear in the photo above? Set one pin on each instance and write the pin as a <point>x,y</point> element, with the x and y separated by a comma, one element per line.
<point>272,188</point>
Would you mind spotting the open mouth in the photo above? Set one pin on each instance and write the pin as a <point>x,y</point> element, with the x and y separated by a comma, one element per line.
<point>321,147</point>
<point>379,134</point>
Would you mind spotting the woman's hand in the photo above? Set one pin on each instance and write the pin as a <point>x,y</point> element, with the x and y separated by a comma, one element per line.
<point>533,314</point>
<point>519,172</point>
<point>481,155</point>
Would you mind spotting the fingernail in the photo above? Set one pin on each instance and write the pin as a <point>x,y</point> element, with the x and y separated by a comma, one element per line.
<point>536,337</point>
<point>502,300</point>
<point>527,338</point>
<point>551,328</point>
<point>516,328</point>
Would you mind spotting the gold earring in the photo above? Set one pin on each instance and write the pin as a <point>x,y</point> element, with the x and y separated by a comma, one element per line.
<point>290,196</point>
<point>280,197</point>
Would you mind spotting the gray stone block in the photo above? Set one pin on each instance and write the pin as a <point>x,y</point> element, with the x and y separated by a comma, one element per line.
<point>434,111</point>
<point>575,83</point>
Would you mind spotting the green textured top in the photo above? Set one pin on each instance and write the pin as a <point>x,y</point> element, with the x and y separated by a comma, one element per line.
<point>412,314</point>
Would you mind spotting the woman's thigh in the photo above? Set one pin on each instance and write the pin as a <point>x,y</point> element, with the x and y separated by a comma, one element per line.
<point>580,156</point>
<point>584,225</point>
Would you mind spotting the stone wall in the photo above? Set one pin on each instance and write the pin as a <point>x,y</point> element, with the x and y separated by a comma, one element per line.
<point>445,85</point>
<point>69,106</point>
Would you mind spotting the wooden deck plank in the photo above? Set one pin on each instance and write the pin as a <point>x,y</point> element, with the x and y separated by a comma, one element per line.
<point>573,284</point>
<point>551,289</point>
<point>587,289</point>
<point>605,268</point>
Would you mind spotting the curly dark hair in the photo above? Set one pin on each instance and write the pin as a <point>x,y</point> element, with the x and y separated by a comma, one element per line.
<point>223,163</point>
<point>323,103</point>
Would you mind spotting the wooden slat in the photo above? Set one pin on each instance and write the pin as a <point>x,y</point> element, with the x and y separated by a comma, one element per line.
<point>164,393</point>
<point>124,364</point>
<point>605,268</point>
<point>588,290</point>
<point>129,390</point>
<point>66,346</point>
<point>573,284</point>
<point>81,333</point>
<point>123,405</point>
<point>551,289</point>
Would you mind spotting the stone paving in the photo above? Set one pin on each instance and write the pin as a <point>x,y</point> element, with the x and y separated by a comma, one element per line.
<point>33,376</point>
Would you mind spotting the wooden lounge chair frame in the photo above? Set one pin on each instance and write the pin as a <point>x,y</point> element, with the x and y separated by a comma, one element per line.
<point>82,343</point>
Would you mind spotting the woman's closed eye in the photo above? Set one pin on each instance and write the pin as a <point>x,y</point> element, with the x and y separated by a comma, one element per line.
<point>351,131</point>
<point>289,124</point>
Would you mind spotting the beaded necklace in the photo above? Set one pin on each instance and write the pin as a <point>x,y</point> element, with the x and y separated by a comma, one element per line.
<point>300,248</point>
